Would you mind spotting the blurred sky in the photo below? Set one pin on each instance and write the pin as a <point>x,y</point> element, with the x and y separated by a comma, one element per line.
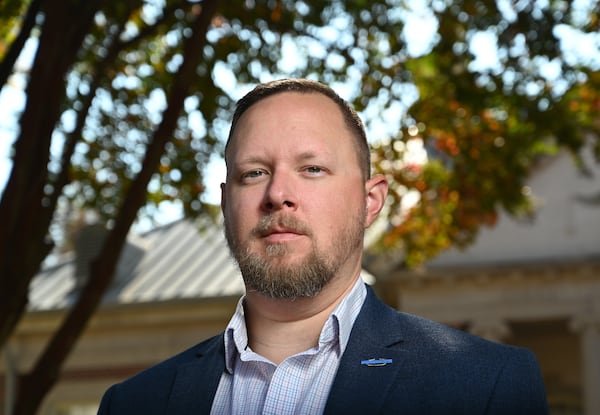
<point>419,20</point>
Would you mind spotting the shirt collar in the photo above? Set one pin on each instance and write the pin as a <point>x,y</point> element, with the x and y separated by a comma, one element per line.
<point>337,328</point>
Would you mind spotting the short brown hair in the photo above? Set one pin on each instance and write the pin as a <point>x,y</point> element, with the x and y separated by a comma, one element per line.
<point>305,86</point>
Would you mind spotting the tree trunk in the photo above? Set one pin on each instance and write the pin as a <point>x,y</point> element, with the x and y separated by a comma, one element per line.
<point>25,209</point>
<point>35,385</point>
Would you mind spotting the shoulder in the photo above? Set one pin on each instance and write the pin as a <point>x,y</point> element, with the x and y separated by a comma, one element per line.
<point>451,366</point>
<point>148,391</point>
<point>414,334</point>
<point>452,347</point>
<point>393,325</point>
<point>208,346</point>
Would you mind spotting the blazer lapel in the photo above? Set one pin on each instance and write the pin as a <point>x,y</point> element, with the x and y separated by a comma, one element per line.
<point>196,382</point>
<point>360,387</point>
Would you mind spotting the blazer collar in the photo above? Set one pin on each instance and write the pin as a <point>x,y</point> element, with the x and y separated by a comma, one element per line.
<point>196,382</point>
<point>358,387</point>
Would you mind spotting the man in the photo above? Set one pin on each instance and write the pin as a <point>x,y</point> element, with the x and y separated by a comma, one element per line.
<point>309,337</point>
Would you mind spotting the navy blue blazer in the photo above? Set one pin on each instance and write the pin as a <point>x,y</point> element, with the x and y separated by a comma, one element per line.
<point>434,370</point>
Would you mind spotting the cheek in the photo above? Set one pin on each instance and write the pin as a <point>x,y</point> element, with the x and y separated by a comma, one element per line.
<point>235,219</point>
<point>329,219</point>
<point>241,215</point>
<point>245,199</point>
<point>346,207</point>
<point>347,199</point>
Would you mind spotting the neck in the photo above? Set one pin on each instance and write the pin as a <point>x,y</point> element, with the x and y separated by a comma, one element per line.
<point>278,329</point>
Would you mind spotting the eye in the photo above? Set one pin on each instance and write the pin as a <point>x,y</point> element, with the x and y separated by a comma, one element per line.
<point>252,174</point>
<point>314,170</point>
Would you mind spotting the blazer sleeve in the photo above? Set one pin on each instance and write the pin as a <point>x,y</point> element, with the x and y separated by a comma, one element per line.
<point>105,402</point>
<point>520,387</point>
<point>147,394</point>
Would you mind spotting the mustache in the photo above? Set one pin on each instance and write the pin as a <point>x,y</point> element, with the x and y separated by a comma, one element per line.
<point>270,222</point>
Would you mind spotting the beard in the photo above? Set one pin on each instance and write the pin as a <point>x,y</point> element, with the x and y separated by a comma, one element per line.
<point>271,276</point>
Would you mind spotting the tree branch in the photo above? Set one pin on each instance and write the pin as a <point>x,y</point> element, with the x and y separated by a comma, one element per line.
<point>16,47</point>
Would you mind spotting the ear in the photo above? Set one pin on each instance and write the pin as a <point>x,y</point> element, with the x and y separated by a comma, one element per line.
<point>223,201</point>
<point>376,189</point>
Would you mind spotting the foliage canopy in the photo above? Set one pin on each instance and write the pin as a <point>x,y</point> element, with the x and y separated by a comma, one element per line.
<point>127,101</point>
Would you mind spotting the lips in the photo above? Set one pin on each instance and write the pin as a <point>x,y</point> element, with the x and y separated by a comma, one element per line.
<point>280,228</point>
<point>280,231</point>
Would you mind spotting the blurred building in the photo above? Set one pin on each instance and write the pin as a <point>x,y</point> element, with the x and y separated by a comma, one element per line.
<point>535,284</point>
<point>174,286</point>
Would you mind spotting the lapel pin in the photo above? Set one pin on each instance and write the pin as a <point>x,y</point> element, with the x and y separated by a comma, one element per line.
<point>376,362</point>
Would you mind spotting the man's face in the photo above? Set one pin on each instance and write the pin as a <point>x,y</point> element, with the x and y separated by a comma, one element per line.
<point>294,201</point>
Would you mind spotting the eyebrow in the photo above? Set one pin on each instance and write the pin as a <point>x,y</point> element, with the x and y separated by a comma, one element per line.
<point>307,155</point>
<point>260,159</point>
<point>250,160</point>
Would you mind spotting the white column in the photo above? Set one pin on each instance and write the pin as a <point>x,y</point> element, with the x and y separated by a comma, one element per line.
<point>588,327</point>
<point>493,328</point>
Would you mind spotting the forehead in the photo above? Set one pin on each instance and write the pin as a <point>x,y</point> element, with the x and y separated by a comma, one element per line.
<point>286,116</point>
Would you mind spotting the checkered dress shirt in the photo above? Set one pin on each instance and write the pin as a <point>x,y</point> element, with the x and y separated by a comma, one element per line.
<point>251,384</point>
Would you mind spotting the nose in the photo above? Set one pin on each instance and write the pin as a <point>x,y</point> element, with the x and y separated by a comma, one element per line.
<point>280,193</point>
